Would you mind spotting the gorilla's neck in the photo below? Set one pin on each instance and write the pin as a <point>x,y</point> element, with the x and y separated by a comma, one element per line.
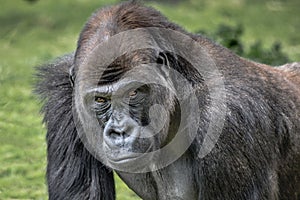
<point>175,181</point>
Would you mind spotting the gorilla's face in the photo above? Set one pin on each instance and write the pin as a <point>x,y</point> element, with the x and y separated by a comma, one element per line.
<point>124,114</point>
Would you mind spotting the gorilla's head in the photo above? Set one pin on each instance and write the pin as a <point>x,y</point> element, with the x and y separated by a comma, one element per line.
<point>126,109</point>
<point>131,84</point>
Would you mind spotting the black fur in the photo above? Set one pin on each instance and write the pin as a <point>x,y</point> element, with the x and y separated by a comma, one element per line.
<point>72,173</point>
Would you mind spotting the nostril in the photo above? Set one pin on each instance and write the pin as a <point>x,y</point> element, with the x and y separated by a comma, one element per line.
<point>115,139</point>
<point>114,134</point>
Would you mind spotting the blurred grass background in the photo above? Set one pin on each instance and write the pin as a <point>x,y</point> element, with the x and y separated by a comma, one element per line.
<point>33,33</point>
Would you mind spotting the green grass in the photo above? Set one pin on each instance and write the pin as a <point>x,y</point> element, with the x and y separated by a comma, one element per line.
<point>269,21</point>
<point>31,34</point>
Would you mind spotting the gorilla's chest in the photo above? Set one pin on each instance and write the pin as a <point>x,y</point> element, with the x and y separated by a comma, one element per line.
<point>175,181</point>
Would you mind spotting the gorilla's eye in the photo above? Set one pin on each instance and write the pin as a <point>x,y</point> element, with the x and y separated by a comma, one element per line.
<point>132,93</point>
<point>100,100</point>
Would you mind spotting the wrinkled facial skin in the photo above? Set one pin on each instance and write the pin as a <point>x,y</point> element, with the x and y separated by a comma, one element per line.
<point>122,111</point>
<point>122,108</point>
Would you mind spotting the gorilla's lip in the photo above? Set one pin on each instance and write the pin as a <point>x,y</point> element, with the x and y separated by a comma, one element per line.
<point>129,157</point>
<point>132,163</point>
<point>123,158</point>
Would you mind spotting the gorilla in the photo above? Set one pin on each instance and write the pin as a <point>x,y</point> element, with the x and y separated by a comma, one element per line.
<point>175,115</point>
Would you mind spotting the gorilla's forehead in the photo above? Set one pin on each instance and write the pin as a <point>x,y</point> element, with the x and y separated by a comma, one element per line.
<point>99,72</point>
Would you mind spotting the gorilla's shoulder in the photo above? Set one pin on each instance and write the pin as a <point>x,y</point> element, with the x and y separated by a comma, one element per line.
<point>292,71</point>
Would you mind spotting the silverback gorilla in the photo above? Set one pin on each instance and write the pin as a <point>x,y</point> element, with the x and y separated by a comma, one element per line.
<point>132,88</point>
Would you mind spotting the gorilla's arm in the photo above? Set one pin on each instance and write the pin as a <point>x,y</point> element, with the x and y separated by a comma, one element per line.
<point>72,173</point>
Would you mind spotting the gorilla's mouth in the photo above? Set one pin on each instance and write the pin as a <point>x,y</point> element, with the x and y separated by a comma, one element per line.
<point>129,156</point>
<point>124,159</point>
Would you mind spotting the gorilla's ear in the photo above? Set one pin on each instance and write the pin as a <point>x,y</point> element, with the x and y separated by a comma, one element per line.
<point>164,63</point>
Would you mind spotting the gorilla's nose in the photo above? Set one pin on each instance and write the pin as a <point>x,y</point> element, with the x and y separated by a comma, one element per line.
<point>115,133</point>
<point>115,137</point>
